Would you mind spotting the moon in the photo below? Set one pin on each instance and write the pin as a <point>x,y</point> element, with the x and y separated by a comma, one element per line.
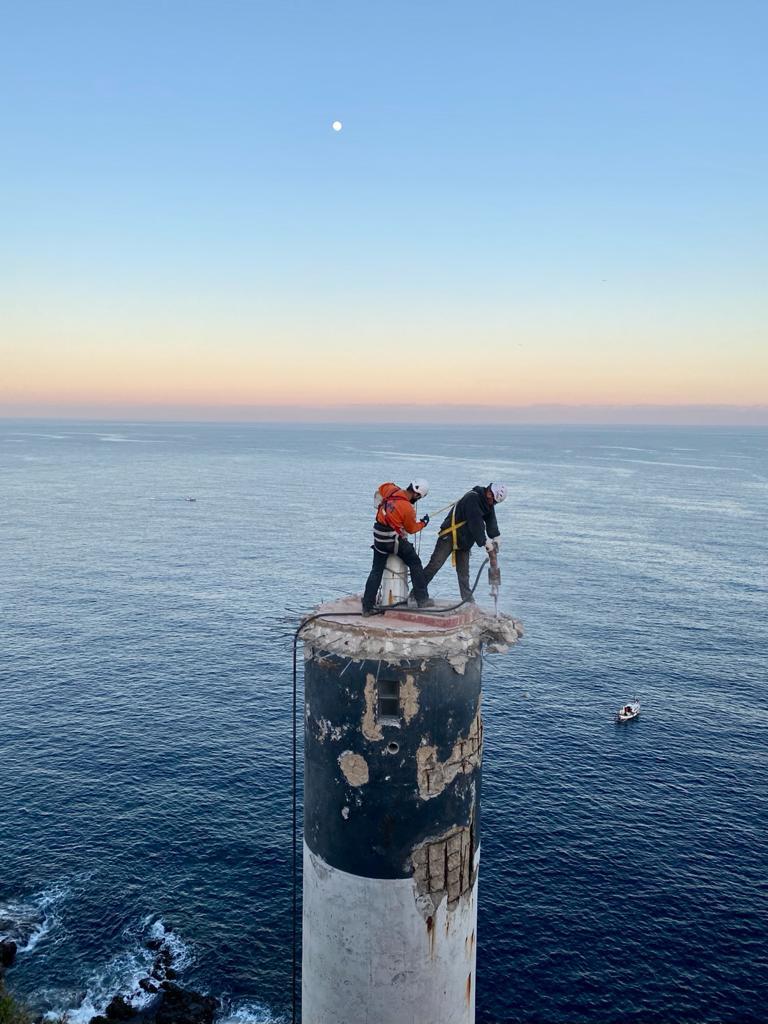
<point>337,126</point>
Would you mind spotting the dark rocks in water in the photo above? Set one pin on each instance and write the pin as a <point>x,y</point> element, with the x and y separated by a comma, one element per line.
<point>173,1005</point>
<point>170,1003</point>
<point>162,967</point>
<point>7,952</point>
<point>162,964</point>
<point>119,1009</point>
<point>181,1007</point>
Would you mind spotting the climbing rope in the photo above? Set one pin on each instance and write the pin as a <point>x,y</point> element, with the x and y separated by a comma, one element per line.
<point>445,508</point>
<point>433,515</point>
<point>401,607</point>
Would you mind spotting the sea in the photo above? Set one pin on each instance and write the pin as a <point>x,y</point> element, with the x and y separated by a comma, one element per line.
<point>145,706</point>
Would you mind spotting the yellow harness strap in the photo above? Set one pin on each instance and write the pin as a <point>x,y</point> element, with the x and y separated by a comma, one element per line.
<point>453,529</point>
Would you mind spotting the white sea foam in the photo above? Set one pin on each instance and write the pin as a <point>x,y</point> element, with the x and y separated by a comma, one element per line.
<point>181,954</point>
<point>29,921</point>
<point>723,507</point>
<point>81,1015</point>
<point>121,975</point>
<point>414,456</point>
<point>22,923</point>
<point>39,933</point>
<point>625,448</point>
<point>121,439</point>
<point>678,465</point>
<point>51,437</point>
<point>250,1013</point>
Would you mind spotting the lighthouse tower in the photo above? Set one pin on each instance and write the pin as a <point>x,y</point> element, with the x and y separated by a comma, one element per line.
<point>393,750</point>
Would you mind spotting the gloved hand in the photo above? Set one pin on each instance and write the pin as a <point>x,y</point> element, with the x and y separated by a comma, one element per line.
<point>490,546</point>
<point>497,542</point>
<point>425,519</point>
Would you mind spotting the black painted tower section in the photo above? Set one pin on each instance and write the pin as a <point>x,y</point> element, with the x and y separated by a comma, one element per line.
<point>372,829</point>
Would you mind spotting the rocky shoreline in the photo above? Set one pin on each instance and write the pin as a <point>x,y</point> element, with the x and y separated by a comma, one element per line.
<point>168,1003</point>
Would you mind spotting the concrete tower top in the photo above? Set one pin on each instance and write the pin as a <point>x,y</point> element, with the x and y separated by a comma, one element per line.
<point>403,635</point>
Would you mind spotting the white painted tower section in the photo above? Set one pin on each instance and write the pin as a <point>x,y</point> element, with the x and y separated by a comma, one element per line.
<point>369,959</point>
<point>394,582</point>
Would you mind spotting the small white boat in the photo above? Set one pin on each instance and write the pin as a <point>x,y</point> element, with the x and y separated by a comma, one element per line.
<point>629,711</point>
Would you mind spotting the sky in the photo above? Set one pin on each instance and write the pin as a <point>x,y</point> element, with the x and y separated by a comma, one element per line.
<point>533,210</point>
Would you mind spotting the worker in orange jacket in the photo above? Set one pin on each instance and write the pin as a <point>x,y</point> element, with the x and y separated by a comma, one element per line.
<point>395,519</point>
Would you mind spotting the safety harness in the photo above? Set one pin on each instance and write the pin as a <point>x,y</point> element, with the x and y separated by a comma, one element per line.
<point>453,529</point>
<point>386,538</point>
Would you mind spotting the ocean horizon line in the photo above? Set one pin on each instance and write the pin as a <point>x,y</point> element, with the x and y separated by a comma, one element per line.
<point>411,414</point>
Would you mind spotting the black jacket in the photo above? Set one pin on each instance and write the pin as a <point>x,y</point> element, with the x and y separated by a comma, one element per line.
<point>478,516</point>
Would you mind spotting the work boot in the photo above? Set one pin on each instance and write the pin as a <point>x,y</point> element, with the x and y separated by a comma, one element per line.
<point>426,603</point>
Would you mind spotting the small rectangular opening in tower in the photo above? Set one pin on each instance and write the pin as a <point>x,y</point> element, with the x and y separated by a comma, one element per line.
<point>389,699</point>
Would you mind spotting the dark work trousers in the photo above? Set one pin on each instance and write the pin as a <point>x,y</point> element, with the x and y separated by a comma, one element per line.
<point>439,557</point>
<point>407,552</point>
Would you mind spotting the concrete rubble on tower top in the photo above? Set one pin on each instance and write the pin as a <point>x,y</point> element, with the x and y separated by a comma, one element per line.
<point>400,636</point>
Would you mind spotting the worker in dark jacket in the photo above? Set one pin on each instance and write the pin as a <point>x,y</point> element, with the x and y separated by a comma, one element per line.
<point>395,519</point>
<point>472,520</point>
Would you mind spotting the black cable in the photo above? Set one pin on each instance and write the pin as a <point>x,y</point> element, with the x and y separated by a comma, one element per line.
<point>294,889</point>
<point>401,606</point>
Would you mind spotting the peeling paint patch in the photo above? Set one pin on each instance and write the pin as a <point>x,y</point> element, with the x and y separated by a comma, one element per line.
<point>444,866</point>
<point>326,730</point>
<point>371,728</point>
<point>354,767</point>
<point>433,775</point>
<point>409,698</point>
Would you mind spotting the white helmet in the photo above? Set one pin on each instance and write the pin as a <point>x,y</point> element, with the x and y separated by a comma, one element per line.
<point>420,487</point>
<point>499,492</point>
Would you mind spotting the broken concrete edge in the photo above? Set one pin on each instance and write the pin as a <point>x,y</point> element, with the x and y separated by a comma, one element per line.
<point>394,645</point>
<point>445,867</point>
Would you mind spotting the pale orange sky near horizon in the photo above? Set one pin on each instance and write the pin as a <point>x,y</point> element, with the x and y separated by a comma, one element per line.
<point>382,364</point>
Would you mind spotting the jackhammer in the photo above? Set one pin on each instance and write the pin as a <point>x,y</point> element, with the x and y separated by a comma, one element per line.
<point>494,577</point>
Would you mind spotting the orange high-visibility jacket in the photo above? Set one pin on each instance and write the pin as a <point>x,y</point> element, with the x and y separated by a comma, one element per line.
<point>396,510</point>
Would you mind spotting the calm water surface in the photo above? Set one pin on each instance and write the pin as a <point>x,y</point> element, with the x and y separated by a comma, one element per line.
<point>145,706</point>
